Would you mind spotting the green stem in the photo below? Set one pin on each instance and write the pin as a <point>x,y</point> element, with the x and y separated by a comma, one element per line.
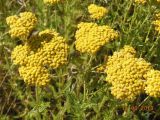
<point>84,89</point>
<point>37,94</point>
<point>143,101</point>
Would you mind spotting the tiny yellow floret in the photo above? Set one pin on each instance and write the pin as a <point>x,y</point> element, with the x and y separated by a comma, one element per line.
<point>51,2</point>
<point>140,1</point>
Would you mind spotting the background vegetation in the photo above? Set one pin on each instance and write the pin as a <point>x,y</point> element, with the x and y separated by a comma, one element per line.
<point>77,91</point>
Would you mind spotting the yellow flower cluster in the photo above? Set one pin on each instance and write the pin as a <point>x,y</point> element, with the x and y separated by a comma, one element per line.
<point>153,83</point>
<point>157,23</point>
<point>21,26</point>
<point>51,53</point>
<point>90,37</point>
<point>140,1</point>
<point>126,74</point>
<point>100,68</point>
<point>97,12</point>
<point>51,2</point>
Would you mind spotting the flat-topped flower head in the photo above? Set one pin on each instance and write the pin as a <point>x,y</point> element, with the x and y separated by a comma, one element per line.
<point>90,37</point>
<point>97,12</point>
<point>51,53</point>
<point>21,26</point>
<point>126,74</point>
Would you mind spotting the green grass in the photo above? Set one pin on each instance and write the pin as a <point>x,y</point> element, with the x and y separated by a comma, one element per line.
<point>76,92</point>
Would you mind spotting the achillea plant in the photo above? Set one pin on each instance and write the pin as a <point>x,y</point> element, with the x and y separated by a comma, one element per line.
<point>97,12</point>
<point>21,26</point>
<point>34,65</point>
<point>126,74</point>
<point>92,80</point>
<point>47,49</point>
<point>90,37</point>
